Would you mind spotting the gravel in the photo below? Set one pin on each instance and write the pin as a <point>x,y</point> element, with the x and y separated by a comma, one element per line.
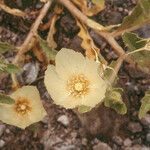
<point>63,120</point>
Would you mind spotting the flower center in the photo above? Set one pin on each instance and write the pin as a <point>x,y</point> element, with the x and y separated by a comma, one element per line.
<point>22,106</point>
<point>78,85</point>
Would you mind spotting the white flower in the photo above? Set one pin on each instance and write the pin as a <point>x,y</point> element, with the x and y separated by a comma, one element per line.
<point>75,81</point>
<point>26,110</point>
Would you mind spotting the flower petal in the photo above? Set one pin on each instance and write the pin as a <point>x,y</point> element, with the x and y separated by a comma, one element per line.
<point>96,94</point>
<point>69,62</point>
<point>54,85</point>
<point>10,116</point>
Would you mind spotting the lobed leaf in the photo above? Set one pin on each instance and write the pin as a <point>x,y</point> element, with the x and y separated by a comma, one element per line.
<point>113,100</point>
<point>139,16</point>
<point>49,52</point>
<point>84,109</point>
<point>145,107</point>
<point>6,99</point>
<point>4,47</point>
<point>9,68</point>
<point>133,42</point>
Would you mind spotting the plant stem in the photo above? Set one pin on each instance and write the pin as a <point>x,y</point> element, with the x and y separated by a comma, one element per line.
<point>96,26</point>
<point>24,47</point>
<point>116,68</point>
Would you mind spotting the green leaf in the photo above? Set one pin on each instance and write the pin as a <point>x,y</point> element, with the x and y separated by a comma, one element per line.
<point>133,41</point>
<point>142,58</point>
<point>6,99</point>
<point>109,71</point>
<point>9,68</point>
<point>49,52</point>
<point>113,100</point>
<point>84,109</point>
<point>4,47</point>
<point>139,16</point>
<point>145,107</point>
<point>100,3</point>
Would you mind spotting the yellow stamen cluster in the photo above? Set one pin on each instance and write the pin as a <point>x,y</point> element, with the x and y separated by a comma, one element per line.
<point>78,86</point>
<point>22,106</point>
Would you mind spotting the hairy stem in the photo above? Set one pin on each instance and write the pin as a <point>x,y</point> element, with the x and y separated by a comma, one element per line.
<point>24,47</point>
<point>96,26</point>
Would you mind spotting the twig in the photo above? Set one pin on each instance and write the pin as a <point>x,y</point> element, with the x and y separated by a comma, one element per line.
<point>13,11</point>
<point>24,46</point>
<point>96,26</point>
<point>116,68</point>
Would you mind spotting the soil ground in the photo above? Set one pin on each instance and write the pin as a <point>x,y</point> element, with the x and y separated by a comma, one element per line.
<point>51,133</point>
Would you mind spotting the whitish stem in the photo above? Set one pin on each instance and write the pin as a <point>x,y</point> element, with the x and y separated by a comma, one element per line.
<point>33,30</point>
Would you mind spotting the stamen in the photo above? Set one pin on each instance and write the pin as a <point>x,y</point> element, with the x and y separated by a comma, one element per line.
<point>78,85</point>
<point>22,106</point>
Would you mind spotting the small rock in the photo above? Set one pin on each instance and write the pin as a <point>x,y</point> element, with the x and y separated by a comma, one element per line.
<point>134,127</point>
<point>102,146</point>
<point>127,142</point>
<point>63,120</point>
<point>2,128</point>
<point>66,147</point>
<point>2,143</point>
<point>84,141</point>
<point>117,140</point>
<point>148,137</point>
<point>146,120</point>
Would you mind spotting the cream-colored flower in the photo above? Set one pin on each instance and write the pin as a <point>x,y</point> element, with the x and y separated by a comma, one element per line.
<point>26,110</point>
<point>75,81</point>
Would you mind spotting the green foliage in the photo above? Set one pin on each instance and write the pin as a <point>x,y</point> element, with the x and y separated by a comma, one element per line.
<point>139,16</point>
<point>49,52</point>
<point>145,107</point>
<point>6,99</point>
<point>113,100</point>
<point>100,3</point>
<point>84,109</point>
<point>4,47</point>
<point>9,68</point>
<point>109,71</point>
<point>134,43</point>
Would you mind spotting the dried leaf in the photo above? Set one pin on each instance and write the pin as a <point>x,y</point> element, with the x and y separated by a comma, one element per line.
<point>6,99</point>
<point>91,10</point>
<point>139,16</point>
<point>4,47</point>
<point>87,42</point>
<point>113,100</point>
<point>145,107</point>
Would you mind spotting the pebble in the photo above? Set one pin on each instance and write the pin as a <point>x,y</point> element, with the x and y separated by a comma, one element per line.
<point>127,142</point>
<point>63,120</point>
<point>2,128</point>
<point>146,120</point>
<point>2,143</point>
<point>117,140</point>
<point>101,146</point>
<point>134,127</point>
<point>67,147</point>
<point>148,137</point>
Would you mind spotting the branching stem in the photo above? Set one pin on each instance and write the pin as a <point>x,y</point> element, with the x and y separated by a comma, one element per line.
<point>24,47</point>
